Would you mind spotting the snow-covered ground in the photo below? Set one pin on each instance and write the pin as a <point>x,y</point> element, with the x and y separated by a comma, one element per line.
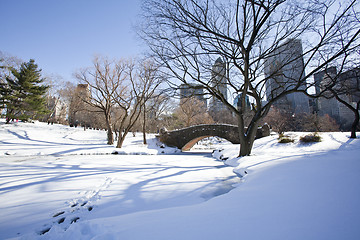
<point>58,182</point>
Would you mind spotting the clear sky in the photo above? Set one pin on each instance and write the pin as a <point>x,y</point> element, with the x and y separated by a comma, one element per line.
<point>64,35</point>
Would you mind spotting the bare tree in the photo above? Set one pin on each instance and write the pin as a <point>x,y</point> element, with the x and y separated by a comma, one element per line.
<point>280,120</point>
<point>187,36</point>
<point>192,111</point>
<point>226,117</point>
<point>141,83</point>
<point>105,80</point>
<point>151,78</point>
<point>283,120</point>
<point>158,107</point>
<point>345,88</point>
<point>315,123</point>
<point>6,63</point>
<point>350,97</point>
<point>67,93</point>
<point>55,104</point>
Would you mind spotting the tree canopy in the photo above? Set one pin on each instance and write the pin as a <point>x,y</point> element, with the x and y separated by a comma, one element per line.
<point>23,93</point>
<point>258,42</point>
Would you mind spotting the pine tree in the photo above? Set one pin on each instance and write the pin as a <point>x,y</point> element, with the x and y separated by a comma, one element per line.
<point>25,97</point>
<point>2,86</point>
<point>6,92</point>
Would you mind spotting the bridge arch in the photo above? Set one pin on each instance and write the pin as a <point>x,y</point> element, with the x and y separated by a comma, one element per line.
<point>191,143</point>
<point>186,138</point>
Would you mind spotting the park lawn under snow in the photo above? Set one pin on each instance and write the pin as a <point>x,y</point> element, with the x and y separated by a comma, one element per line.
<point>286,191</point>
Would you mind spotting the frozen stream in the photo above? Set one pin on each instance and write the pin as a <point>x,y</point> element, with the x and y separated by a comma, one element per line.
<point>43,193</point>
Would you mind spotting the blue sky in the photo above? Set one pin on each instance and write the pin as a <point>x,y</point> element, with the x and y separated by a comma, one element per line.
<point>64,35</point>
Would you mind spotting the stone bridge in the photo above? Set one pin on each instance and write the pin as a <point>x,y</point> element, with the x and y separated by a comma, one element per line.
<point>186,138</point>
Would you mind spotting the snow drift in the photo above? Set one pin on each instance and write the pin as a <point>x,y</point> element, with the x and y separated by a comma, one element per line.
<point>282,191</point>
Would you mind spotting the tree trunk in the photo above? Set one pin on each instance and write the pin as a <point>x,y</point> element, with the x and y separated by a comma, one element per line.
<point>245,148</point>
<point>246,144</point>
<point>354,110</point>
<point>121,138</point>
<point>246,136</point>
<point>120,141</point>
<point>356,122</point>
<point>144,126</point>
<point>110,138</point>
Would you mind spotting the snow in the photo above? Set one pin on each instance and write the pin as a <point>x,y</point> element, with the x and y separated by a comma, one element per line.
<point>65,183</point>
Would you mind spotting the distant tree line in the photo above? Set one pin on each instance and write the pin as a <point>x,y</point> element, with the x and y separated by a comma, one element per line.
<point>159,110</point>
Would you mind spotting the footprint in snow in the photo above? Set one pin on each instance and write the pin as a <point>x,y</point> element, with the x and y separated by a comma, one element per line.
<point>66,217</point>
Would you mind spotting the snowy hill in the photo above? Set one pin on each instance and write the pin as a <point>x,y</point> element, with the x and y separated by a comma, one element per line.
<point>58,182</point>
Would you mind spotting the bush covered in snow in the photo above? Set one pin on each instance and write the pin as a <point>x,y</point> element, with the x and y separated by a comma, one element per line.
<point>285,139</point>
<point>313,137</point>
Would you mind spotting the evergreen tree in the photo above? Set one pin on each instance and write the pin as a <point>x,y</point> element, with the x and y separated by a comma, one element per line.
<point>5,91</point>
<point>25,95</point>
<point>2,84</point>
<point>5,94</point>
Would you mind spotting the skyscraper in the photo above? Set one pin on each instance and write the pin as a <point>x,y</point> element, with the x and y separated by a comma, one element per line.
<point>219,83</point>
<point>283,71</point>
<point>78,108</point>
<point>237,102</point>
<point>197,91</point>
<point>329,106</point>
<point>349,83</point>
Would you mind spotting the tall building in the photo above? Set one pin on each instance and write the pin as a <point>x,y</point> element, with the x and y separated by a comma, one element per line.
<point>237,102</point>
<point>78,113</point>
<point>283,70</point>
<point>319,76</point>
<point>329,106</point>
<point>193,90</point>
<point>350,82</point>
<point>219,82</point>
<point>58,110</point>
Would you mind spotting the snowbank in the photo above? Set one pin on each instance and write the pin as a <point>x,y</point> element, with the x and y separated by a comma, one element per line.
<point>286,191</point>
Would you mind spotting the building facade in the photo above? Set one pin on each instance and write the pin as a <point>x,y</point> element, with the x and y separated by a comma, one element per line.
<point>283,70</point>
<point>58,110</point>
<point>348,83</point>
<point>193,90</point>
<point>237,102</point>
<point>78,110</point>
<point>218,81</point>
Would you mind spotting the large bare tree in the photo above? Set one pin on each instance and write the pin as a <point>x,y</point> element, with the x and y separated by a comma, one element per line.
<point>192,111</point>
<point>344,86</point>
<point>105,79</point>
<point>157,107</point>
<point>142,80</point>
<point>187,36</point>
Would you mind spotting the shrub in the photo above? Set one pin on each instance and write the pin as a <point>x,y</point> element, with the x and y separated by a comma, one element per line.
<point>285,139</point>
<point>314,137</point>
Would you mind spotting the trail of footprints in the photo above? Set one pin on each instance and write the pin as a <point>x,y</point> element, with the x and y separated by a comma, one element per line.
<point>77,207</point>
<point>66,218</point>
